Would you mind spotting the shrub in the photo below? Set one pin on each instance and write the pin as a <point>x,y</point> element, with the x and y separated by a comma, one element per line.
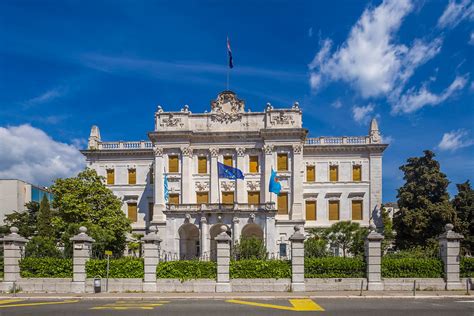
<point>467,267</point>
<point>334,267</point>
<point>186,270</point>
<point>250,248</point>
<point>429,251</point>
<point>127,267</point>
<point>315,248</point>
<point>412,268</point>
<point>46,268</point>
<point>42,247</point>
<point>260,269</point>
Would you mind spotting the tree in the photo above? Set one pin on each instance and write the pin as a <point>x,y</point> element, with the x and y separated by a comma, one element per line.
<point>42,247</point>
<point>315,247</point>
<point>25,221</point>
<point>346,235</point>
<point>388,232</point>
<point>44,219</point>
<point>85,201</point>
<point>423,201</point>
<point>250,248</point>
<point>463,204</point>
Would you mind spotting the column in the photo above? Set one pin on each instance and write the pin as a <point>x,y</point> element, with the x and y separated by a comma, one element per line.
<point>270,233</point>
<point>268,152</point>
<point>13,245</point>
<point>297,261</point>
<point>82,244</point>
<point>241,192</point>
<point>373,260</point>
<point>205,242</point>
<point>236,230</point>
<point>158,216</point>
<point>187,175</point>
<point>223,261</point>
<point>297,187</point>
<point>215,190</point>
<point>375,170</point>
<point>449,249</point>
<point>151,254</point>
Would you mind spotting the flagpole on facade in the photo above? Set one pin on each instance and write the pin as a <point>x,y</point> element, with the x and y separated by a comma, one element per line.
<point>227,86</point>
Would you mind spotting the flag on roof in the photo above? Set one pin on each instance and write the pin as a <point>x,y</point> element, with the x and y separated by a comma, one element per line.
<point>229,51</point>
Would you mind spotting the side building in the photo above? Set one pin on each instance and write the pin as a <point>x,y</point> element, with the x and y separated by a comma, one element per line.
<point>323,179</point>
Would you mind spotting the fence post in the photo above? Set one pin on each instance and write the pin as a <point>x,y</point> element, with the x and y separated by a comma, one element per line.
<point>373,260</point>
<point>13,244</point>
<point>81,253</point>
<point>151,259</point>
<point>449,243</point>
<point>223,261</point>
<point>297,261</point>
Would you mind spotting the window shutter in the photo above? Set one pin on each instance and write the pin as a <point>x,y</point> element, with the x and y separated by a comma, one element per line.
<point>173,199</point>
<point>283,203</point>
<point>202,197</point>
<point>132,176</point>
<point>282,162</point>
<point>357,210</point>
<point>356,173</point>
<point>228,161</point>
<point>310,174</point>
<point>132,212</point>
<point>310,210</point>
<point>202,164</point>
<point>173,165</point>
<point>253,164</point>
<point>333,210</point>
<point>254,197</point>
<point>333,173</point>
<point>110,176</point>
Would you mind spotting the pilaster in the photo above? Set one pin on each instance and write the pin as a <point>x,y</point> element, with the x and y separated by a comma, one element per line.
<point>268,153</point>
<point>159,207</point>
<point>375,170</point>
<point>214,187</point>
<point>205,241</point>
<point>241,192</point>
<point>186,175</point>
<point>297,189</point>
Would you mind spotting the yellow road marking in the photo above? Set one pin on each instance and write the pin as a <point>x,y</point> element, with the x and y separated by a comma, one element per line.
<point>39,303</point>
<point>123,305</point>
<point>10,301</point>
<point>299,305</point>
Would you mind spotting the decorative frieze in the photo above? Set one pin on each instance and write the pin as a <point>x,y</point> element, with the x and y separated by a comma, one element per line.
<point>187,151</point>
<point>202,186</point>
<point>171,121</point>
<point>268,149</point>
<point>227,186</point>
<point>281,118</point>
<point>158,151</point>
<point>253,185</point>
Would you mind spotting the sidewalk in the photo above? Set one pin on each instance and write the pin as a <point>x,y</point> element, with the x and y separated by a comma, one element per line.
<point>243,295</point>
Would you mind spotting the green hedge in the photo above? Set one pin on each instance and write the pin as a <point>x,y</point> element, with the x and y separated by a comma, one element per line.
<point>186,270</point>
<point>412,268</point>
<point>46,268</point>
<point>467,267</point>
<point>126,268</point>
<point>260,269</point>
<point>334,267</point>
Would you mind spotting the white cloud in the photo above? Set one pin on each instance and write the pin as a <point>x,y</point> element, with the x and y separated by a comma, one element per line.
<point>455,12</point>
<point>471,38</point>
<point>45,97</point>
<point>361,114</point>
<point>414,100</point>
<point>337,104</point>
<point>455,140</point>
<point>28,153</point>
<point>387,139</point>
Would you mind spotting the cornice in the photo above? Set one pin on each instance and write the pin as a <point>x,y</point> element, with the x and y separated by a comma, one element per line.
<point>372,148</point>
<point>118,152</point>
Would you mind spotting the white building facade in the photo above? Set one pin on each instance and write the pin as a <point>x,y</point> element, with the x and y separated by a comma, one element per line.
<point>323,179</point>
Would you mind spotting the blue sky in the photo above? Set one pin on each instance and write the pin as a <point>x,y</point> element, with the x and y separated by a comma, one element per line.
<point>66,65</point>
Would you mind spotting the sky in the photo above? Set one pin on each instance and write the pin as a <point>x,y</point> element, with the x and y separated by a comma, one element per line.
<point>68,65</point>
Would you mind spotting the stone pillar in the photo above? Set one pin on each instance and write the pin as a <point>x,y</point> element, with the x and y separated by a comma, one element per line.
<point>449,250</point>
<point>158,216</point>
<point>235,230</point>
<point>13,245</point>
<point>205,242</point>
<point>373,259</point>
<point>297,261</point>
<point>81,253</point>
<point>214,187</point>
<point>223,261</point>
<point>268,152</point>
<point>151,259</point>
<point>186,175</point>
<point>241,191</point>
<point>297,187</point>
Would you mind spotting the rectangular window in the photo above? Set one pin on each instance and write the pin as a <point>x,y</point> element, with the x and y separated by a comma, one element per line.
<point>202,165</point>
<point>132,176</point>
<point>310,174</point>
<point>282,162</point>
<point>253,164</point>
<point>228,161</point>
<point>150,210</point>
<point>283,203</point>
<point>173,198</point>
<point>254,197</point>
<point>202,197</point>
<point>310,210</point>
<point>333,210</point>
<point>227,197</point>
<point>357,210</point>
<point>132,212</point>
<point>173,163</point>
<point>110,176</point>
<point>282,250</point>
<point>357,173</point>
<point>334,173</point>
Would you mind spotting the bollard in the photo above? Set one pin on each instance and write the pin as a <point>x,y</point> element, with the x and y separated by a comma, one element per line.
<point>414,287</point>
<point>361,287</point>
<point>468,286</point>
<point>97,284</point>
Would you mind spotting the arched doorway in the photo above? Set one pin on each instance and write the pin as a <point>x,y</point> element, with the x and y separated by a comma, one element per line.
<point>189,247</point>
<point>215,230</point>
<point>252,230</point>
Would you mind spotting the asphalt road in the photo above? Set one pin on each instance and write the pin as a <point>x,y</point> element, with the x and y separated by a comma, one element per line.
<point>339,306</point>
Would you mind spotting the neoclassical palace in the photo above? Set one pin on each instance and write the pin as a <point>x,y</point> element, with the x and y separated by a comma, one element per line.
<point>172,179</point>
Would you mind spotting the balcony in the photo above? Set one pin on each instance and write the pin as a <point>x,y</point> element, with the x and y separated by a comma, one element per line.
<point>221,208</point>
<point>124,145</point>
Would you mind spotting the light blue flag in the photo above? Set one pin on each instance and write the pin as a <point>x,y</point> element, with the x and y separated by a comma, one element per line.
<point>165,184</point>
<point>274,186</point>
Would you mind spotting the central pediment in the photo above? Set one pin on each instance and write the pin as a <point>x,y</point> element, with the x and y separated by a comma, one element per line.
<point>227,108</point>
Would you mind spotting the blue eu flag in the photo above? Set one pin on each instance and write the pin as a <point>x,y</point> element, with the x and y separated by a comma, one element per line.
<point>229,172</point>
<point>274,186</point>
